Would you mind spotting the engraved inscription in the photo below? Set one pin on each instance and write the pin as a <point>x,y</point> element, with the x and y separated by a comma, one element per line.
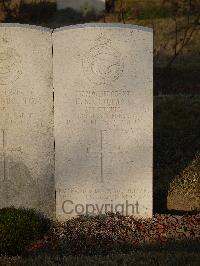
<point>9,66</point>
<point>102,99</point>
<point>103,64</point>
<point>100,193</point>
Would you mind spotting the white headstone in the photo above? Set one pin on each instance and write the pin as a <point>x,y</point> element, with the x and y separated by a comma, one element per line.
<point>26,118</point>
<point>83,6</point>
<point>103,119</point>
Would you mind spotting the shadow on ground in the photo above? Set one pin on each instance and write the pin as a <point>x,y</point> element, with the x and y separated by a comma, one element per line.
<point>178,80</point>
<point>176,141</point>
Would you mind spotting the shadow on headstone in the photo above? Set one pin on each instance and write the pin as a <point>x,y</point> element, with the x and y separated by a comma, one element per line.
<point>19,189</point>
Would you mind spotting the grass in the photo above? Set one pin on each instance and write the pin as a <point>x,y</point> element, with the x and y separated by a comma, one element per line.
<point>148,258</point>
<point>86,246</point>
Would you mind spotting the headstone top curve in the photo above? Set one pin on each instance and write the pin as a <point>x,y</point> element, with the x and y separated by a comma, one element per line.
<point>25,26</point>
<point>104,25</point>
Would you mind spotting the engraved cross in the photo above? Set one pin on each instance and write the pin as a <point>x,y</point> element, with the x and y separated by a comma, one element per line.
<point>101,156</point>
<point>117,150</point>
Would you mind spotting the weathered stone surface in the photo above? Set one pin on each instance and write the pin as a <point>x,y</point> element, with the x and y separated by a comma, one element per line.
<point>26,118</point>
<point>83,6</point>
<point>103,119</point>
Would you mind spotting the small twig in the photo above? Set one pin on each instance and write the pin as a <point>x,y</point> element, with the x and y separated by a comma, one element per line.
<point>121,12</point>
<point>187,36</point>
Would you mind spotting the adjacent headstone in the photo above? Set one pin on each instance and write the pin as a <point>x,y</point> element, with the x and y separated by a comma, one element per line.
<point>103,119</point>
<point>83,6</point>
<point>26,118</point>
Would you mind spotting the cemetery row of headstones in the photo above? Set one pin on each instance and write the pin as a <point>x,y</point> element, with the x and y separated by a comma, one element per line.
<point>76,119</point>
